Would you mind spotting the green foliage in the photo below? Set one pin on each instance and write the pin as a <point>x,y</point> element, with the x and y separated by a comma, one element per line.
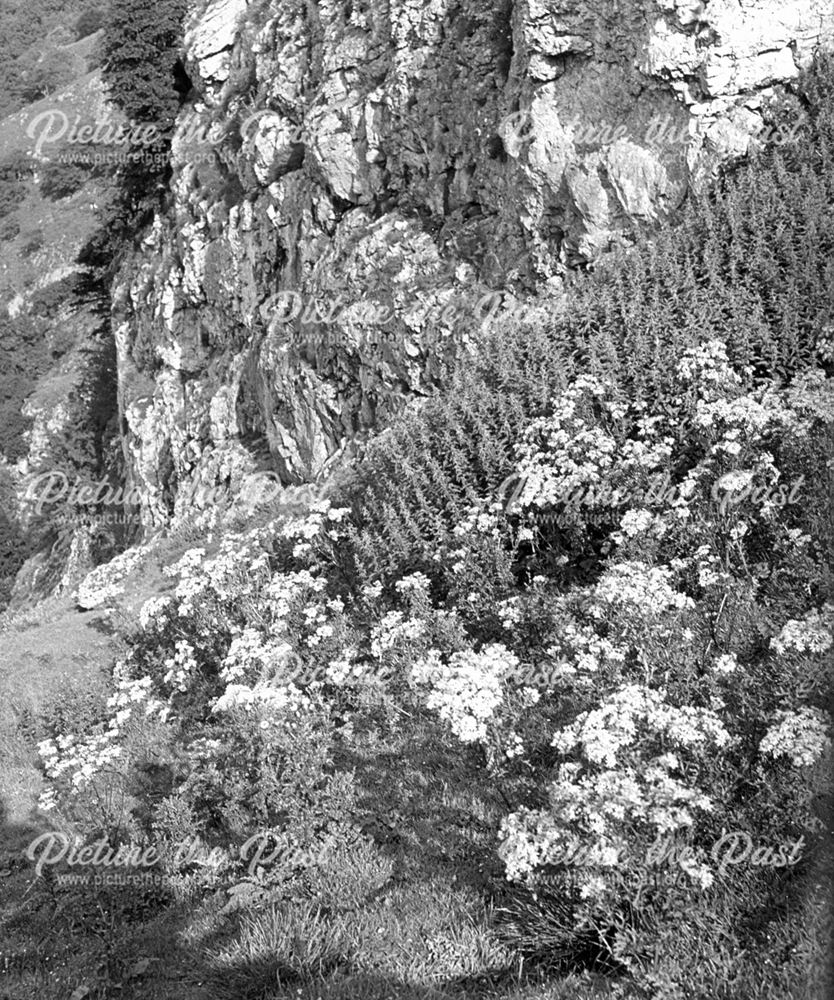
<point>141,69</point>
<point>23,358</point>
<point>750,263</point>
<point>9,229</point>
<point>90,22</point>
<point>14,550</point>
<point>140,55</point>
<point>32,60</point>
<point>32,242</point>
<point>417,479</point>
<point>43,71</point>
<point>16,167</point>
<point>47,301</point>
<point>73,706</point>
<point>69,171</point>
<point>14,170</point>
<point>681,663</point>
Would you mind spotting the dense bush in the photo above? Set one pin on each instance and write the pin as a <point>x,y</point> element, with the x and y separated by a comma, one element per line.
<point>631,718</point>
<point>33,240</point>
<point>14,550</point>
<point>43,71</point>
<point>31,64</point>
<point>69,171</point>
<point>142,72</point>
<point>23,357</point>
<point>90,22</point>
<point>9,229</point>
<point>14,171</point>
<point>140,58</point>
<point>600,578</point>
<point>12,194</point>
<point>750,263</point>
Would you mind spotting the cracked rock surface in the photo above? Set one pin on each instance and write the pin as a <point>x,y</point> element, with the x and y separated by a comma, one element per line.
<point>383,168</point>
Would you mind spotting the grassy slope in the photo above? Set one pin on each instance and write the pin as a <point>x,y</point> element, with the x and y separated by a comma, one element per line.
<point>65,224</point>
<point>60,228</point>
<point>427,934</point>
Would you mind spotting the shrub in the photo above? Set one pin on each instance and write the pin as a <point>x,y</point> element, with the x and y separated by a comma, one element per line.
<point>141,69</point>
<point>14,550</point>
<point>140,56</point>
<point>711,275</point>
<point>32,242</point>
<point>90,22</point>
<point>70,170</point>
<point>12,195</point>
<point>43,71</point>
<point>23,357</point>
<point>9,229</point>
<point>60,180</point>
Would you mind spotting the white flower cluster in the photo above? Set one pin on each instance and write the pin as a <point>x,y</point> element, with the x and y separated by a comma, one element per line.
<point>105,582</point>
<point>372,591</point>
<point>582,651</point>
<point>639,522</point>
<point>262,696</point>
<point>468,689</point>
<point>253,654</point>
<point>345,668</point>
<point>284,591</point>
<point>317,524</point>
<point>738,421</point>
<point>563,454</point>
<point>413,584</point>
<point>234,590</point>
<point>588,819</point>
<point>708,566</point>
<point>801,736</point>
<point>509,612</point>
<point>393,629</point>
<point>132,693</point>
<point>725,664</point>
<point>181,666</point>
<point>188,564</point>
<point>622,791</point>
<point>483,521</point>
<point>84,757</point>
<point>638,586</point>
<point>812,634</point>
<point>152,610</point>
<point>708,366</point>
<point>634,711</point>
<point>735,481</point>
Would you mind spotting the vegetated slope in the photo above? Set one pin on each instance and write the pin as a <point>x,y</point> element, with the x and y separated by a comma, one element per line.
<point>456,151</point>
<point>468,726</point>
<point>37,46</point>
<point>53,329</point>
<point>751,263</point>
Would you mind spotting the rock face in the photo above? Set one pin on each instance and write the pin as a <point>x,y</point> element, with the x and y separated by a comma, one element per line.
<point>354,179</point>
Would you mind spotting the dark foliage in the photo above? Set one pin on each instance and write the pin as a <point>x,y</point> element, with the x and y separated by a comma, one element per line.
<point>751,263</point>
<point>70,170</point>
<point>90,22</point>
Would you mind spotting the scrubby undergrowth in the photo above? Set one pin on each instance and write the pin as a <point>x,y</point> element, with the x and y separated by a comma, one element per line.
<point>542,692</point>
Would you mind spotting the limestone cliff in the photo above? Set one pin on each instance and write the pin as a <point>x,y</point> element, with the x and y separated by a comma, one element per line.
<point>398,160</point>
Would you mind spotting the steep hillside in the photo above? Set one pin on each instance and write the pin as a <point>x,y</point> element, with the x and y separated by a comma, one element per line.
<point>356,184</point>
<point>55,401</point>
<point>467,371</point>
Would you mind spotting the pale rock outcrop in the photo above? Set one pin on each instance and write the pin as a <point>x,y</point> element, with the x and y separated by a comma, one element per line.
<point>210,38</point>
<point>353,178</point>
